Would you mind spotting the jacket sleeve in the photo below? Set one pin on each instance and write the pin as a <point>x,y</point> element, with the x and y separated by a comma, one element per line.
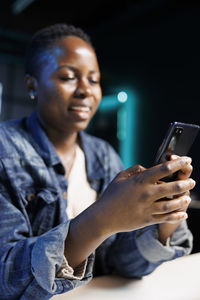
<point>138,253</point>
<point>28,264</point>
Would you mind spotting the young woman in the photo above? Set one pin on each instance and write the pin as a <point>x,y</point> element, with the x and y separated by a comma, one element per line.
<point>68,211</point>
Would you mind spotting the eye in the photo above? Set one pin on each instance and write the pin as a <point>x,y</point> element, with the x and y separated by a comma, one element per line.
<point>67,78</point>
<point>94,81</point>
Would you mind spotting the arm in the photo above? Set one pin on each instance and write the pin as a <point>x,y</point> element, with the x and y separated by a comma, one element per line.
<point>28,263</point>
<point>138,253</point>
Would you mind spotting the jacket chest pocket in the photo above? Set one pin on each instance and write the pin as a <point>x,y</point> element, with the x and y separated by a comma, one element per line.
<point>41,208</point>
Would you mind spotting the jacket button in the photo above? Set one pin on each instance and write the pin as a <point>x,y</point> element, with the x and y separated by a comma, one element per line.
<point>31,197</point>
<point>65,195</point>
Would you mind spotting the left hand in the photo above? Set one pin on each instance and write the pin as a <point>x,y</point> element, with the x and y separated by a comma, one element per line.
<point>165,230</point>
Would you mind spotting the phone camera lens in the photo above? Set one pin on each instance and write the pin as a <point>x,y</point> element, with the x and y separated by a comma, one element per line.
<point>179,130</point>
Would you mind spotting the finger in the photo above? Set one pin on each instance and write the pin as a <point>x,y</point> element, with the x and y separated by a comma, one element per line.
<point>172,217</point>
<point>160,171</point>
<point>174,157</point>
<point>187,193</point>
<point>185,172</point>
<point>168,189</point>
<point>166,206</point>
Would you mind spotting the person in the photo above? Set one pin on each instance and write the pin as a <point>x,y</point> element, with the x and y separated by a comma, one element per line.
<point>68,209</point>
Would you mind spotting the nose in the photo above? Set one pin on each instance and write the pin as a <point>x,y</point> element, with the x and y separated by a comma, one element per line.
<point>83,89</point>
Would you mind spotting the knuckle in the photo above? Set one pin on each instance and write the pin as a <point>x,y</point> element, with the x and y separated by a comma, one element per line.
<point>186,200</point>
<point>138,167</point>
<point>166,207</point>
<point>178,187</point>
<point>135,171</point>
<point>159,189</point>
<point>147,194</point>
<point>167,167</point>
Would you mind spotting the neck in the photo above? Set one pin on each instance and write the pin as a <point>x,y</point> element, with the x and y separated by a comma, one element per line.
<point>64,144</point>
<point>63,141</point>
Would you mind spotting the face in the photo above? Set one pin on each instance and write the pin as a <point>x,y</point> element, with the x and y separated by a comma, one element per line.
<point>68,86</point>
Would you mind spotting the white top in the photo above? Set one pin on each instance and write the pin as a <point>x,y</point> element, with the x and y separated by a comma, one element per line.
<point>80,194</point>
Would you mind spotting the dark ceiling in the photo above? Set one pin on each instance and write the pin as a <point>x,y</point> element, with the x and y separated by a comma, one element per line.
<point>38,13</point>
<point>20,18</point>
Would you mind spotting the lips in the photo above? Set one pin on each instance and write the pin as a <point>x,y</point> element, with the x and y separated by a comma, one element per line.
<point>80,108</point>
<point>80,112</point>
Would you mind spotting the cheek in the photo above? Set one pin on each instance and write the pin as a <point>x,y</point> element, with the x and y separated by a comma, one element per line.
<point>54,94</point>
<point>46,92</point>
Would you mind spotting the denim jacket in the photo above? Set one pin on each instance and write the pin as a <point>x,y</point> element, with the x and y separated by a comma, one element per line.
<point>34,224</point>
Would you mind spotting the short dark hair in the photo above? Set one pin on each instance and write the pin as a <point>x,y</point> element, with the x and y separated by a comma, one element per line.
<point>45,39</point>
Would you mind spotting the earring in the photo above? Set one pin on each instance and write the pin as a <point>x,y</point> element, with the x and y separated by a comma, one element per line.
<point>32,95</point>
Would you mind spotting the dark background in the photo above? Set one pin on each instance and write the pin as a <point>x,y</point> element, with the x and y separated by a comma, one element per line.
<point>151,47</point>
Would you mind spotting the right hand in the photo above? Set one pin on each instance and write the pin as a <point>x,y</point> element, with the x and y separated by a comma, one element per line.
<point>131,200</point>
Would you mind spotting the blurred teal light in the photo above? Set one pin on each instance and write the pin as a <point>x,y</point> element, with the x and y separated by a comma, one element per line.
<point>122,97</point>
<point>125,103</point>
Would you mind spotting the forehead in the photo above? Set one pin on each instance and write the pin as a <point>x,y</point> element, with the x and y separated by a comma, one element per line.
<point>73,44</point>
<point>71,50</point>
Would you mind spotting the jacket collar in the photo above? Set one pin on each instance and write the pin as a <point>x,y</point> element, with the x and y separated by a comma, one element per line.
<point>93,156</point>
<point>41,141</point>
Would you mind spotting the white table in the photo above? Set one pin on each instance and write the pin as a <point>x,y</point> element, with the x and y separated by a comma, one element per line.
<point>175,280</point>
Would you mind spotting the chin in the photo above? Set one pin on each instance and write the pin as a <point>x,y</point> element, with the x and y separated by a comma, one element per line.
<point>81,126</point>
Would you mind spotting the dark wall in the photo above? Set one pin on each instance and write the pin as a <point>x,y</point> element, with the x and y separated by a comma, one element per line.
<point>157,55</point>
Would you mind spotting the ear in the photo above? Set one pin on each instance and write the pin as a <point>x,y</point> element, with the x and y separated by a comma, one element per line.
<point>31,84</point>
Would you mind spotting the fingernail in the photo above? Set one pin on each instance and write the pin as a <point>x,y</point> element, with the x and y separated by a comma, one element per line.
<point>192,181</point>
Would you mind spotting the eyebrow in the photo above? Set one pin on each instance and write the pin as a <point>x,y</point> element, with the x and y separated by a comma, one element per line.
<point>75,69</point>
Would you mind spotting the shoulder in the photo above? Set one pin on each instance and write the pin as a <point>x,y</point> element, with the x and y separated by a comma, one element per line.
<point>12,133</point>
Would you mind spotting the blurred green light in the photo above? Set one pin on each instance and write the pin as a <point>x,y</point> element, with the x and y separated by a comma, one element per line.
<point>122,97</point>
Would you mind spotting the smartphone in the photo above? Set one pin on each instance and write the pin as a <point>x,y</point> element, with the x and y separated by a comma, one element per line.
<point>178,140</point>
